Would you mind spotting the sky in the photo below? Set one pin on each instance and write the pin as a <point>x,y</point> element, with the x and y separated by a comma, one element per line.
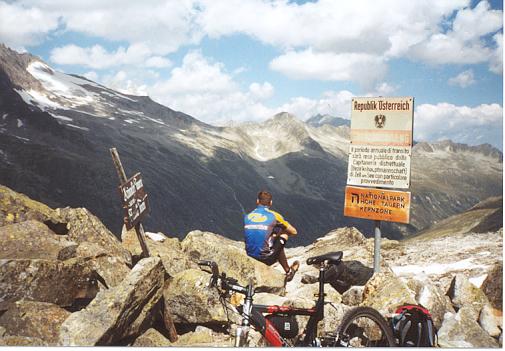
<point>246,60</point>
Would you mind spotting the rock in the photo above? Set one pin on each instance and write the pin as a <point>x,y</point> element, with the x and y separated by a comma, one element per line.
<point>34,319</point>
<point>339,240</point>
<point>385,292</point>
<point>204,337</point>
<point>353,296</point>
<point>333,314</point>
<point>51,281</point>
<point>130,241</point>
<point>299,302</point>
<point>21,341</point>
<point>85,227</point>
<point>493,286</point>
<point>232,259</point>
<point>463,293</point>
<point>491,320</point>
<point>169,250</point>
<point>309,279</point>
<point>190,299</point>
<point>432,298</point>
<point>16,208</point>
<point>31,239</point>
<point>269,299</point>
<point>111,269</point>
<point>390,249</point>
<point>123,311</point>
<point>255,339</point>
<point>462,330</point>
<point>151,338</point>
<point>310,292</point>
<point>2,331</point>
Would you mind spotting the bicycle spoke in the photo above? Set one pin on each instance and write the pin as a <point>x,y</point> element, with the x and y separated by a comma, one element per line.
<point>364,327</point>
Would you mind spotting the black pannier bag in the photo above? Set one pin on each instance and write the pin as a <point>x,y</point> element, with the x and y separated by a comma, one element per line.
<point>335,276</point>
<point>287,326</point>
<point>413,326</point>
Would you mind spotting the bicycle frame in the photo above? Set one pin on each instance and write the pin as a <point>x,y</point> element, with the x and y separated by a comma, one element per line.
<point>252,314</point>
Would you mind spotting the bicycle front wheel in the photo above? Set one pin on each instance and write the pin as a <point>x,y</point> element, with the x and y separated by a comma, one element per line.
<point>364,327</point>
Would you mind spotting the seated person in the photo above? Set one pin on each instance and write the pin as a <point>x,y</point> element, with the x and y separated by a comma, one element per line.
<point>266,233</point>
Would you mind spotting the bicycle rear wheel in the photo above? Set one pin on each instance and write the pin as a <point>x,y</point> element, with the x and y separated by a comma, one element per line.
<point>364,327</point>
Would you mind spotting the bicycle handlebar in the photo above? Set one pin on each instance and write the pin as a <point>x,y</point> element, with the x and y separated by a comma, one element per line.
<point>214,270</point>
<point>227,283</point>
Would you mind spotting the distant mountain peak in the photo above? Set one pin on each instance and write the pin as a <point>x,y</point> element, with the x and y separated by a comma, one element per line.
<point>284,115</point>
<point>320,120</point>
<point>486,149</point>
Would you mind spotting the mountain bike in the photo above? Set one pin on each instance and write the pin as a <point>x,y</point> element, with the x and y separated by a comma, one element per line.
<point>360,326</point>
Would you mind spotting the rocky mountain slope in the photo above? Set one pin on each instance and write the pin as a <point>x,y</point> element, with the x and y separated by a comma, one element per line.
<point>66,280</point>
<point>56,130</point>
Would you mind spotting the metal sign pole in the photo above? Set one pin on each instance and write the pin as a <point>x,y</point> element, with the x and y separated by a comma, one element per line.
<point>139,229</point>
<point>377,247</point>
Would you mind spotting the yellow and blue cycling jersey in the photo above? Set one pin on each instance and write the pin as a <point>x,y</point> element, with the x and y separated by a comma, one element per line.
<point>258,225</point>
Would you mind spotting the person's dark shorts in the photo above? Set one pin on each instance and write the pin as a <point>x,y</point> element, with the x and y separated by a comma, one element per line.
<point>273,256</point>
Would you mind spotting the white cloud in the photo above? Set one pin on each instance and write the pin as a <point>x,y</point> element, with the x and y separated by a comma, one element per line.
<point>122,82</point>
<point>91,75</point>
<point>470,125</point>
<point>472,24</point>
<point>464,79</point>
<point>496,65</point>
<point>307,64</point>
<point>326,25</point>
<point>261,91</point>
<point>358,35</point>
<point>20,26</point>
<point>204,89</point>
<point>383,89</point>
<point>465,43</point>
<point>358,31</point>
<point>98,57</point>
<point>335,103</point>
<point>163,26</point>
<point>363,41</point>
<point>197,74</point>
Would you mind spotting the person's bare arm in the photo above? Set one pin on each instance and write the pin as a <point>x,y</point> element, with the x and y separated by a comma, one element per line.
<point>287,228</point>
<point>290,230</point>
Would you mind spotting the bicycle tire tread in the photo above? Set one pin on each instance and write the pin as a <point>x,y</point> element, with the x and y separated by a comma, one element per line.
<point>370,313</point>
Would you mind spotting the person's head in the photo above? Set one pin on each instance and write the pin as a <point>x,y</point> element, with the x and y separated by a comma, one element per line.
<point>264,198</point>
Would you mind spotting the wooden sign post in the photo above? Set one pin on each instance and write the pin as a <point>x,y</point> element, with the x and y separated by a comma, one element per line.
<point>136,207</point>
<point>134,201</point>
<point>379,156</point>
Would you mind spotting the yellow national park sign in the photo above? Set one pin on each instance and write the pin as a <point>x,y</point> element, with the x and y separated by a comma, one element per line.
<point>377,204</point>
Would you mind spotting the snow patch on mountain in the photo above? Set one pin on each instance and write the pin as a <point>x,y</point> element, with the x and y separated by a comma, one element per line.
<point>78,127</point>
<point>60,117</point>
<point>470,253</point>
<point>437,268</point>
<point>35,98</point>
<point>62,85</point>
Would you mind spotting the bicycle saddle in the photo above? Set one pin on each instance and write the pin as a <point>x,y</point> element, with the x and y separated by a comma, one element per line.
<point>331,257</point>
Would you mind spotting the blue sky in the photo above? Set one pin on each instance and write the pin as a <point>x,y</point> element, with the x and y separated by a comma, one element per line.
<point>249,59</point>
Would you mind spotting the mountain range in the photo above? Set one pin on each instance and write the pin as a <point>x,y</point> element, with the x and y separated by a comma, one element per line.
<point>56,130</point>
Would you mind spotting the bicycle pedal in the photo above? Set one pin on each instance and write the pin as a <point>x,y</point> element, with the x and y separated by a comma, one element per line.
<point>317,295</point>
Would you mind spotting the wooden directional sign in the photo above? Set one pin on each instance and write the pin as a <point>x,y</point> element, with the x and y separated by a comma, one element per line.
<point>381,142</point>
<point>134,200</point>
<point>384,205</point>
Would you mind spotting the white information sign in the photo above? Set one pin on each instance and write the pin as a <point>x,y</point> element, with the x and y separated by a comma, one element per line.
<point>381,142</point>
